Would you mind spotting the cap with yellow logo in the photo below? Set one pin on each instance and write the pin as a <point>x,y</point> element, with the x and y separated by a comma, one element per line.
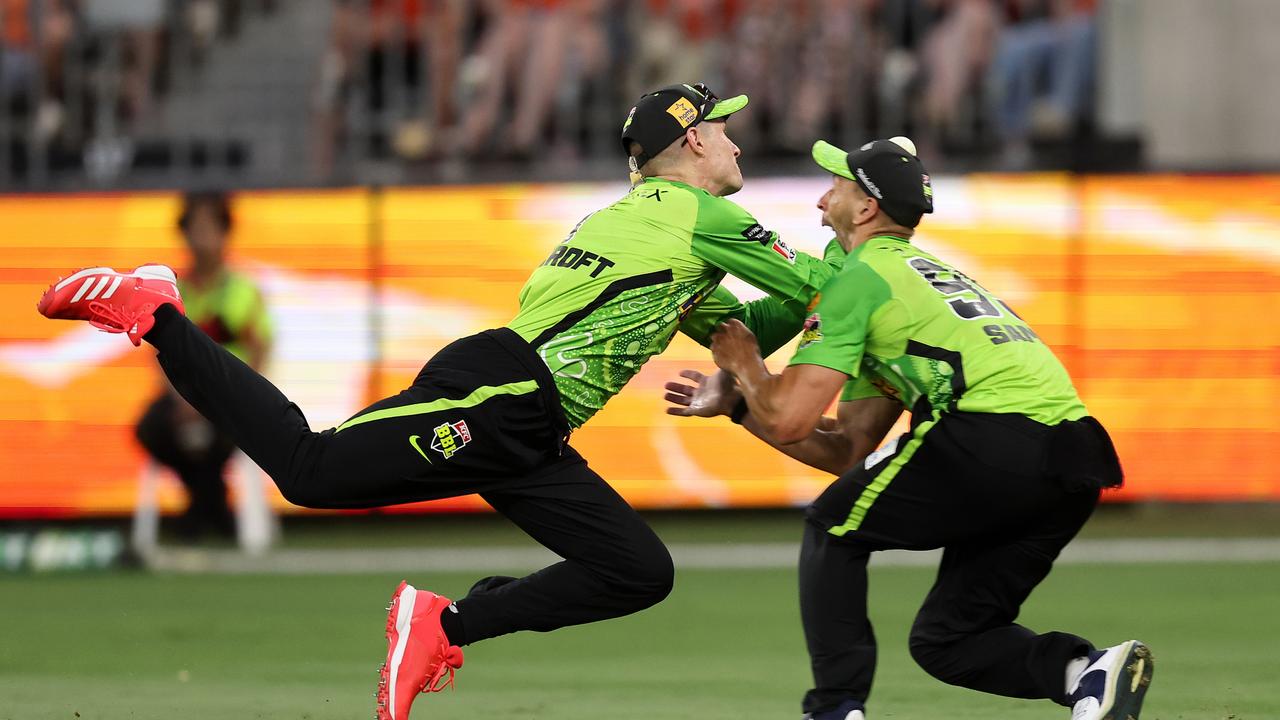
<point>662,116</point>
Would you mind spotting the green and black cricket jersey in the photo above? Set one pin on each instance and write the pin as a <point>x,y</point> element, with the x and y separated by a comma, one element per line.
<point>630,275</point>
<point>902,323</point>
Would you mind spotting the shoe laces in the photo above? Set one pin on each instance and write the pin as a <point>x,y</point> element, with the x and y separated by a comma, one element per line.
<point>110,318</point>
<point>444,674</point>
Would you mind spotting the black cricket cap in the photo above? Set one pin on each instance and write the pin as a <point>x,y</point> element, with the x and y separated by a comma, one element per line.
<point>887,170</point>
<point>662,116</point>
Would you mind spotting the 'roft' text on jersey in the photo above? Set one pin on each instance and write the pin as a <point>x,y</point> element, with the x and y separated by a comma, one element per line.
<point>615,291</point>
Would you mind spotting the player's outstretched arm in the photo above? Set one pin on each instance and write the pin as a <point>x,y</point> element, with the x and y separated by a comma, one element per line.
<point>836,445</point>
<point>826,447</point>
<point>787,407</point>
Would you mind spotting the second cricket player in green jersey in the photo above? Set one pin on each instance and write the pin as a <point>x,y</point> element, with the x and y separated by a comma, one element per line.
<point>630,275</point>
<point>902,323</point>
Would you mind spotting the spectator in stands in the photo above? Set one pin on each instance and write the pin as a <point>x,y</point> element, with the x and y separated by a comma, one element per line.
<point>31,75</point>
<point>538,52</point>
<point>956,54</point>
<point>130,37</point>
<point>808,66</point>
<point>378,46</point>
<point>673,39</point>
<point>823,91</point>
<point>759,44</point>
<point>1043,73</point>
<point>228,307</point>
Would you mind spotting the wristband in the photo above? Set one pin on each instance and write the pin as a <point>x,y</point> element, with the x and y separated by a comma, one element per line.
<point>739,411</point>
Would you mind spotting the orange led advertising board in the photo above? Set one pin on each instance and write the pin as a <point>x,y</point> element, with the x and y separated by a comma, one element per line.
<point>1160,293</point>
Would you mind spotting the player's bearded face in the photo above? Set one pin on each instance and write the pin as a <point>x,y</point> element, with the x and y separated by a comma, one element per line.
<point>838,205</point>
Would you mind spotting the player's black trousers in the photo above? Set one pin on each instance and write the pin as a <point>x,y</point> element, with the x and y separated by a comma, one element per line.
<point>1003,495</point>
<point>482,417</point>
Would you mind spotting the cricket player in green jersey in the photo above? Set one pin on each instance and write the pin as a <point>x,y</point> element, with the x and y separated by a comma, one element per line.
<point>492,413</point>
<point>1001,467</point>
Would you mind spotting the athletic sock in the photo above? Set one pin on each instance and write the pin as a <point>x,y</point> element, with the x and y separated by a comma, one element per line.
<point>164,315</point>
<point>451,623</point>
<point>1075,668</point>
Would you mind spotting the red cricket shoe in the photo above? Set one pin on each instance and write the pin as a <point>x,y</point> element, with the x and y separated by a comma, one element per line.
<point>113,301</point>
<point>419,656</point>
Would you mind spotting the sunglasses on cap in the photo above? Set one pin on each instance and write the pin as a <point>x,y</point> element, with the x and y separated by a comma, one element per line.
<point>709,100</point>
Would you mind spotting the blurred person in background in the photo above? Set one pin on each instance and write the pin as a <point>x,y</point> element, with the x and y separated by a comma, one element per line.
<point>761,39</point>
<point>228,307</point>
<point>492,413</point>
<point>795,56</point>
<point>830,84</point>
<point>1043,74</point>
<point>31,74</point>
<point>533,55</point>
<point>679,38</point>
<point>378,44</point>
<point>1001,467</point>
<point>127,35</point>
<point>955,54</point>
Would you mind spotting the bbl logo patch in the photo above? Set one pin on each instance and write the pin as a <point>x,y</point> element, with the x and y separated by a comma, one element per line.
<point>812,331</point>
<point>449,438</point>
<point>683,111</point>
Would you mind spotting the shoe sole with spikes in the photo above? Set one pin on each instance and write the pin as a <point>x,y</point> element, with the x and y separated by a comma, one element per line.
<point>1131,685</point>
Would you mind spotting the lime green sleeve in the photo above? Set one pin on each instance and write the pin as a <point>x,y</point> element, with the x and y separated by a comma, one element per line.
<point>773,323</point>
<point>835,335</point>
<point>729,238</point>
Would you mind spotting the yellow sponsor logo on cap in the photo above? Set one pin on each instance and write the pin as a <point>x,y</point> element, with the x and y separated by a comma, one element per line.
<point>683,111</point>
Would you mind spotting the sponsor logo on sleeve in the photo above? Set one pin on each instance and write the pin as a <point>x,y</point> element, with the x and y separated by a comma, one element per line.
<point>449,438</point>
<point>785,250</point>
<point>683,111</point>
<point>758,234</point>
<point>812,331</point>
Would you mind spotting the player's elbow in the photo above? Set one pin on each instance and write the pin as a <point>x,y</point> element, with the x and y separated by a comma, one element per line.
<point>790,430</point>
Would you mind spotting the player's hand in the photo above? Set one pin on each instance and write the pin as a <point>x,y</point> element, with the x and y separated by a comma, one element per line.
<point>712,395</point>
<point>734,347</point>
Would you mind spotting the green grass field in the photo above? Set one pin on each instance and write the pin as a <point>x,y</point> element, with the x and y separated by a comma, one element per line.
<point>725,645</point>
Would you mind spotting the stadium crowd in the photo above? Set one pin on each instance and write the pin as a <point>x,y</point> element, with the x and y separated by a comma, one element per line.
<point>516,79</point>
<point>80,74</point>
<point>475,81</point>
